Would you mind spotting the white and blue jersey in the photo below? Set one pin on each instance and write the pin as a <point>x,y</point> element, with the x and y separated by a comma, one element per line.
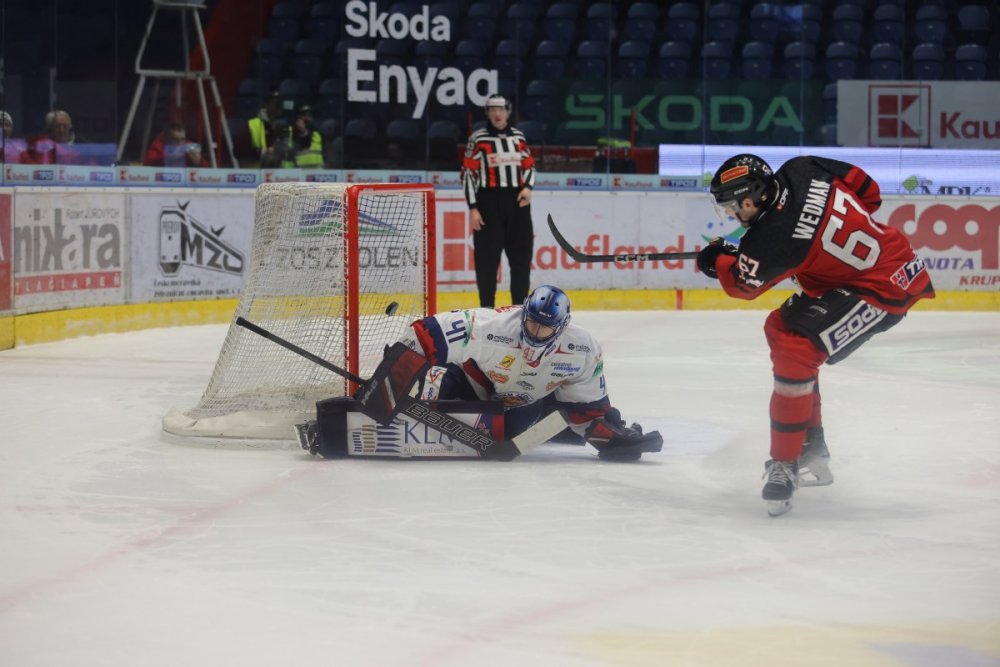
<point>486,344</point>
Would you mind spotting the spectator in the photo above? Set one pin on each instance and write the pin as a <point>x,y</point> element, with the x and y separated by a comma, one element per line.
<point>53,146</point>
<point>171,148</point>
<point>305,143</point>
<point>12,148</point>
<point>264,130</point>
<point>497,176</point>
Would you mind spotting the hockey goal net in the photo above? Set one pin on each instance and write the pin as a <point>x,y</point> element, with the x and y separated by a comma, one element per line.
<point>339,270</point>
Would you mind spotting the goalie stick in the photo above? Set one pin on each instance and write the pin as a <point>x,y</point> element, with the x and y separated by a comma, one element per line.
<point>538,434</point>
<point>621,257</point>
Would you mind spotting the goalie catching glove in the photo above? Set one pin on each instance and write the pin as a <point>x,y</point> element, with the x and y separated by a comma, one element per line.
<point>710,253</point>
<point>616,442</point>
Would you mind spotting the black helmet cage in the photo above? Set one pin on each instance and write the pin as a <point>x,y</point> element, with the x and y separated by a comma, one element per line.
<point>739,177</point>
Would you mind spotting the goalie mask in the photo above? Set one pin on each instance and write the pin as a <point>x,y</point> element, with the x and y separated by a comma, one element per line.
<point>544,316</point>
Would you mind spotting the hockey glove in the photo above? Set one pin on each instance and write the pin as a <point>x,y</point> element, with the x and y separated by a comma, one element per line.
<point>400,370</point>
<point>616,442</point>
<point>710,253</point>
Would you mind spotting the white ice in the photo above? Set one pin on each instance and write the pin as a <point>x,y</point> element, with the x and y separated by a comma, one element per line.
<point>120,549</point>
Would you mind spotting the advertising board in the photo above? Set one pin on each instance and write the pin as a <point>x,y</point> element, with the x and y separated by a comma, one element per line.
<point>68,249</point>
<point>190,244</point>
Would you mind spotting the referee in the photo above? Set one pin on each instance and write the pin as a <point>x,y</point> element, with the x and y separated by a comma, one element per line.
<point>497,176</point>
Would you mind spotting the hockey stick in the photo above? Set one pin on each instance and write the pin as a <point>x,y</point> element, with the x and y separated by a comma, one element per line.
<point>622,257</point>
<point>445,424</point>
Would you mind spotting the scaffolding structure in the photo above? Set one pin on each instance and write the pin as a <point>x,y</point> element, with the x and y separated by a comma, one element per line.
<point>189,16</point>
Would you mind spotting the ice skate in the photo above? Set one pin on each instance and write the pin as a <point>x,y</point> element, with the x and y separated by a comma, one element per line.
<point>814,462</point>
<point>782,479</point>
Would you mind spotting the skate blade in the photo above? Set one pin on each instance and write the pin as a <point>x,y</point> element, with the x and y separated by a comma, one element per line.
<point>816,474</point>
<point>778,507</point>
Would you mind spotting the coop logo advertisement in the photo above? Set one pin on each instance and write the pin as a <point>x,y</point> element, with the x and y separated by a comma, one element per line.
<point>935,114</point>
<point>192,246</point>
<point>959,241</point>
<point>68,250</point>
<point>416,88</point>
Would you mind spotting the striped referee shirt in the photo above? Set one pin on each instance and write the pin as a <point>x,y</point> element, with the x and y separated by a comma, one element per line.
<point>496,159</point>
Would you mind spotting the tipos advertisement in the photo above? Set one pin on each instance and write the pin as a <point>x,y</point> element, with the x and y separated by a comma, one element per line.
<point>6,264</point>
<point>68,249</point>
<point>187,245</point>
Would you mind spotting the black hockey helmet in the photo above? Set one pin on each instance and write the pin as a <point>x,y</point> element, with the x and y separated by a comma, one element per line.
<point>739,177</point>
<point>496,100</point>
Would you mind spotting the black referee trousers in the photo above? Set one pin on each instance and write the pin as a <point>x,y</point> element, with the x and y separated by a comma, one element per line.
<point>506,228</point>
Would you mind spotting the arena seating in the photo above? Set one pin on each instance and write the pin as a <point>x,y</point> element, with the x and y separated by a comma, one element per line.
<point>538,47</point>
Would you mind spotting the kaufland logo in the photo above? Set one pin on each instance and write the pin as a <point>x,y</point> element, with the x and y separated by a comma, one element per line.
<point>900,115</point>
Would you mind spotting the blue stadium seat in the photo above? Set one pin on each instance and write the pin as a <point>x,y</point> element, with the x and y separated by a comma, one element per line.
<point>443,139</point>
<point>723,22</point>
<point>674,60</point>
<point>682,23</point>
<point>520,29</point>
<point>550,59</point>
<point>336,64</point>
<point>330,98</point>
<point>451,9</point>
<point>970,62</point>
<point>799,61</point>
<point>799,23</point>
<point>888,24</point>
<point>928,62</point>
<point>537,100</point>
<point>308,59</point>
<point>643,10</point>
<point>534,131</point>
<point>764,26</point>
<point>286,30</point>
<point>591,59</point>
<point>716,60</point>
<point>288,9</point>
<point>930,25</point>
<point>756,60</point>
<point>491,9</point>
<point>830,103</point>
<point>509,57</point>
<point>561,21</point>
<point>295,91</point>
<point>391,52</point>
<point>638,30</point>
<point>600,21</point>
<point>269,61</point>
<point>481,28</point>
<point>324,20</point>
<point>470,54</point>
<point>362,145</point>
<point>428,53</point>
<point>632,60</point>
<point>974,24</point>
<point>885,62</point>
<point>847,24</point>
<point>841,61</point>
<point>532,11</point>
<point>403,141</point>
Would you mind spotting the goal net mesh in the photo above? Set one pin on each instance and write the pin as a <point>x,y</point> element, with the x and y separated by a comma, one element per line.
<point>311,285</point>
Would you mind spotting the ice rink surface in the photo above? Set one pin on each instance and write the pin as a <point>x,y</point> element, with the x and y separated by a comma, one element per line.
<point>118,548</point>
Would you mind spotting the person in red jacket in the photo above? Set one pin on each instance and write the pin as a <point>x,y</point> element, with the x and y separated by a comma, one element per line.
<point>171,148</point>
<point>812,222</point>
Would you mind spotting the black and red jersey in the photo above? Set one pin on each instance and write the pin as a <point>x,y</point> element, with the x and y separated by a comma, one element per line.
<point>496,159</point>
<point>820,230</point>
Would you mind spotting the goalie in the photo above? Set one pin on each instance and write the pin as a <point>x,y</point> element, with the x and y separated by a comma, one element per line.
<point>531,359</point>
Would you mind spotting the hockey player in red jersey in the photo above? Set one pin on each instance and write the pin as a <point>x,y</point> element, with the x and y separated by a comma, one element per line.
<point>811,221</point>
